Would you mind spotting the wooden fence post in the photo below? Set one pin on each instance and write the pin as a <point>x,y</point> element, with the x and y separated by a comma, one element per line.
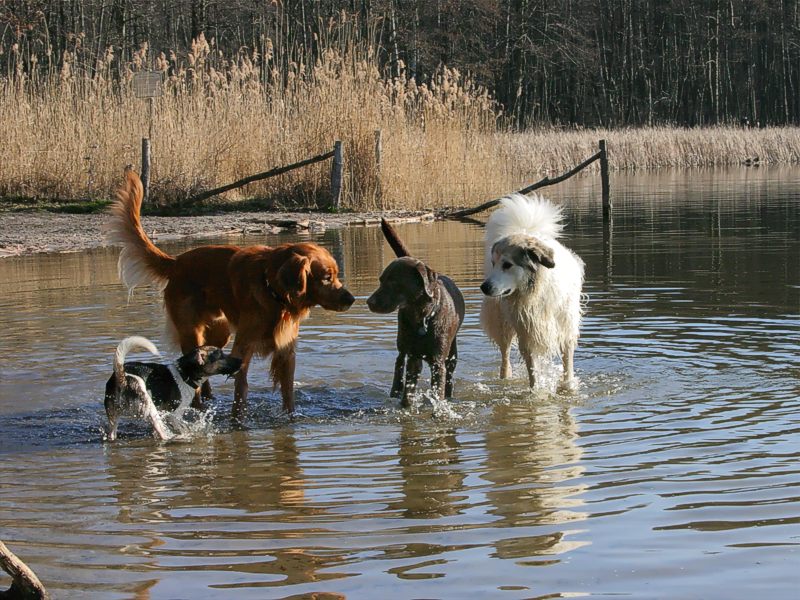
<point>608,245</point>
<point>608,217</point>
<point>146,168</point>
<point>337,172</point>
<point>378,159</point>
<point>607,205</point>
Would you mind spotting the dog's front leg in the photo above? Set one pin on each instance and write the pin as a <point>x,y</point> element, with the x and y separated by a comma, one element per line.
<point>568,383</point>
<point>505,362</point>
<point>111,432</point>
<point>499,330</point>
<point>204,394</point>
<point>529,365</point>
<point>450,367</point>
<point>111,403</point>
<point>282,369</point>
<point>438,377</point>
<point>240,389</point>
<point>399,372</point>
<point>413,369</point>
<point>240,386</point>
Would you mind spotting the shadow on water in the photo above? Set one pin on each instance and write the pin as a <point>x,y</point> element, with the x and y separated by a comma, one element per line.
<point>673,469</point>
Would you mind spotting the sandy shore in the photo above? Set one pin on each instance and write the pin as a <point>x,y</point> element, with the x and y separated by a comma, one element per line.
<point>32,232</point>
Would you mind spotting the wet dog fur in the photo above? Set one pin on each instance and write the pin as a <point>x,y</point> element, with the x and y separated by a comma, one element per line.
<point>142,389</point>
<point>260,292</point>
<point>532,287</point>
<point>430,311</point>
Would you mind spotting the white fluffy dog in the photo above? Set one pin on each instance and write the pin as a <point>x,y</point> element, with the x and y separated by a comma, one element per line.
<point>532,286</point>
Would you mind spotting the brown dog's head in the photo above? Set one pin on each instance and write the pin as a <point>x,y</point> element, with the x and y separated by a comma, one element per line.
<point>403,282</point>
<point>308,275</point>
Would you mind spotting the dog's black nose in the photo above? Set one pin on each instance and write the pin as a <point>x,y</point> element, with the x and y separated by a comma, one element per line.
<point>377,304</point>
<point>487,288</point>
<point>347,298</point>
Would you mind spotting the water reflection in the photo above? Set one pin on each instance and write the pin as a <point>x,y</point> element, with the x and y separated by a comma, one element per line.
<point>202,497</point>
<point>674,469</point>
<point>533,462</point>
<point>247,476</point>
<point>431,470</point>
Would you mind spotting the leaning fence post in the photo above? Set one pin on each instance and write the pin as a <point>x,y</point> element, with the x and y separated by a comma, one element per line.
<point>608,217</point>
<point>337,170</point>
<point>607,206</point>
<point>378,159</point>
<point>146,168</point>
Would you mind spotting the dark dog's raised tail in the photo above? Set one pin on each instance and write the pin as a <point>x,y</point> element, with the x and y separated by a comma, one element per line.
<point>127,345</point>
<point>394,240</point>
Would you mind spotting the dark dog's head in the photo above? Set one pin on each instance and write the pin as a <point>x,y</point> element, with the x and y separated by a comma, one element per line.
<point>405,281</point>
<point>201,363</point>
<point>308,275</point>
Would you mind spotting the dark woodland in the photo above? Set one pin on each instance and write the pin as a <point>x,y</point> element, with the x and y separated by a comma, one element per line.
<point>548,62</point>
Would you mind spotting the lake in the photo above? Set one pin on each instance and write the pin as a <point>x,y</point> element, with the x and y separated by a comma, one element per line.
<point>673,472</point>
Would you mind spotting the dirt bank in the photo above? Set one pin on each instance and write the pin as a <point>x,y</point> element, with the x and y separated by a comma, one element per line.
<point>32,232</point>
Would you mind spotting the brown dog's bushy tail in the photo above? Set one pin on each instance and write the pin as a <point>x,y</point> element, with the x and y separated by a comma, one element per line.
<point>140,262</point>
<point>394,240</point>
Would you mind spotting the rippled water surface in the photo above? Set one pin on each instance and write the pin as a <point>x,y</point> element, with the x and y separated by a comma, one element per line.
<point>673,473</point>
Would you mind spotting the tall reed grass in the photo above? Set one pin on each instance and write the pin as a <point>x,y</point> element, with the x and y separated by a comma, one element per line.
<point>68,133</point>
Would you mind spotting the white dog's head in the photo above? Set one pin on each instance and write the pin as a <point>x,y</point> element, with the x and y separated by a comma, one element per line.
<point>515,262</point>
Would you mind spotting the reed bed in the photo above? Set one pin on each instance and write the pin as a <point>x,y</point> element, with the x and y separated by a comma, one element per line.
<point>67,134</point>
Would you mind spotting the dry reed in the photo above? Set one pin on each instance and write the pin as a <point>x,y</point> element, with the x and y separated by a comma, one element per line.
<point>67,134</point>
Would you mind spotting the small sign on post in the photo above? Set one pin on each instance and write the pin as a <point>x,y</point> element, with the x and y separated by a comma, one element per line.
<point>147,84</point>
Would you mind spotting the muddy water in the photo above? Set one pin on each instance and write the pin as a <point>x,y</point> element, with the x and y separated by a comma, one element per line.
<point>673,473</point>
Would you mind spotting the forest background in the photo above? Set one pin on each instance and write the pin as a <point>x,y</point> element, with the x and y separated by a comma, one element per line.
<point>473,98</point>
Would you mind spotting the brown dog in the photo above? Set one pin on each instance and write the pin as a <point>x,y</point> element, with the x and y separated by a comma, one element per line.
<point>430,311</point>
<point>260,292</point>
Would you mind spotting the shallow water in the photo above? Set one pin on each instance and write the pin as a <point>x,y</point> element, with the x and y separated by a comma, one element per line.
<point>673,473</point>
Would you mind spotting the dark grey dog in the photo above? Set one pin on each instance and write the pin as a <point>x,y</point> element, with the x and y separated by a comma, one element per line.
<point>141,389</point>
<point>430,312</point>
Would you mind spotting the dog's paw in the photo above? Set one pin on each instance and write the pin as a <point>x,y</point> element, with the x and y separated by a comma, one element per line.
<point>568,385</point>
<point>178,425</point>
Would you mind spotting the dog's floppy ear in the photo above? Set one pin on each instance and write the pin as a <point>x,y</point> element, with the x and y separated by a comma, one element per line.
<point>293,275</point>
<point>193,358</point>
<point>539,252</point>
<point>428,278</point>
<point>199,356</point>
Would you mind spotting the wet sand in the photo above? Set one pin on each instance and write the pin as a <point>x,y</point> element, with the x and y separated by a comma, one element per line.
<point>40,231</point>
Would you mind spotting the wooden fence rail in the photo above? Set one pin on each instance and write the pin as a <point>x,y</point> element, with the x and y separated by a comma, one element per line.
<point>259,176</point>
<point>600,155</point>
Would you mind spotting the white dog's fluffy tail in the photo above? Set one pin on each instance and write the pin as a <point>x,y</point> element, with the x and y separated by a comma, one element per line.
<point>534,215</point>
<point>127,345</point>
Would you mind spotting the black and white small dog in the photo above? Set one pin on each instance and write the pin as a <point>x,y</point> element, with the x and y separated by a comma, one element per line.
<point>141,389</point>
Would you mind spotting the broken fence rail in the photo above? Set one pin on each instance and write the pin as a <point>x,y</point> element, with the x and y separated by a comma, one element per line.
<point>259,176</point>
<point>600,155</point>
